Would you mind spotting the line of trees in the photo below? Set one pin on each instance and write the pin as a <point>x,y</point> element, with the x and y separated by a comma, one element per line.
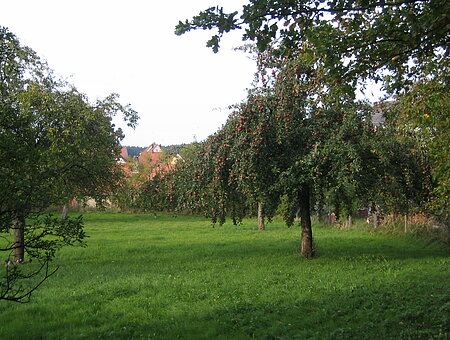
<point>297,143</point>
<point>336,47</point>
<point>402,44</point>
<point>300,140</point>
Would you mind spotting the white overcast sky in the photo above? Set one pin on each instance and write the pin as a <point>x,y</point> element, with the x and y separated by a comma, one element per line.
<point>180,88</point>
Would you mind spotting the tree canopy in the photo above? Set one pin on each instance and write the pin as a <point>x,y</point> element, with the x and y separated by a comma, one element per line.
<point>290,138</point>
<point>335,48</point>
<point>354,40</point>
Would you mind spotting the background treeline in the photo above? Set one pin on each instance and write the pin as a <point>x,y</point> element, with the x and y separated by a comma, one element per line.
<point>134,151</point>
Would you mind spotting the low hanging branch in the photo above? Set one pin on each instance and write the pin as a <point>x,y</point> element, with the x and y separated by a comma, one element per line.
<point>43,237</point>
<point>12,286</point>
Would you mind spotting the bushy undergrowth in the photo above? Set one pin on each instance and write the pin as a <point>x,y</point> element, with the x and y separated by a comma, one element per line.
<point>417,226</point>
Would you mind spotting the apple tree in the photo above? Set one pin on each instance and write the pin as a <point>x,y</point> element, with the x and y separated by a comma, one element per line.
<point>402,44</point>
<point>55,145</point>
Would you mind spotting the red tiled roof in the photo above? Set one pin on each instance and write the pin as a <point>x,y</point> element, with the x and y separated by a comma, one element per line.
<point>151,155</point>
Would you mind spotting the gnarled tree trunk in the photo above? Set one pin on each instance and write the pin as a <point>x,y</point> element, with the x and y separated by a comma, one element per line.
<point>305,222</point>
<point>261,224</point>
<point>19,240</point>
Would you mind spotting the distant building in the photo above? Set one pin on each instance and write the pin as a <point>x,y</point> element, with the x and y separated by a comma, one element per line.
<point>150,160</point>
<point>151,155</point>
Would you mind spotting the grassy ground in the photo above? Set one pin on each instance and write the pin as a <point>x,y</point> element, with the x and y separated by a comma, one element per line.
<point>165,278</point>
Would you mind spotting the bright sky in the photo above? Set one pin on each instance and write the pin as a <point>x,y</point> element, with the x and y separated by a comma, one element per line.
<point>180,88</point>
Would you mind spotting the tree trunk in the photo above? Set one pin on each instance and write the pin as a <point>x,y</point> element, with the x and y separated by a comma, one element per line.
<point>305,223</point>
<point>349,222</point>
<point>261,224</point>
<point>375,219</point>
<point>19,240</point>
<point>406,223</point>
<point>65,210</point>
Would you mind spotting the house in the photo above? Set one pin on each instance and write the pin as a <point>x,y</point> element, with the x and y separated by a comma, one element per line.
<point>153,157</point>
<point>152,160</point>
<point>152,154</point>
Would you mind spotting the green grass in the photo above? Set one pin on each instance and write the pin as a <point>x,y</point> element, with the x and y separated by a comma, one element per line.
<point>165,278</point>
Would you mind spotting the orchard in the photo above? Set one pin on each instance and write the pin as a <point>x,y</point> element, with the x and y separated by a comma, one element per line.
<point>299,140</point>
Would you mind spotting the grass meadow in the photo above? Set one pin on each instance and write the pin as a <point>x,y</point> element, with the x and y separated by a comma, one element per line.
<point>164,277</point>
